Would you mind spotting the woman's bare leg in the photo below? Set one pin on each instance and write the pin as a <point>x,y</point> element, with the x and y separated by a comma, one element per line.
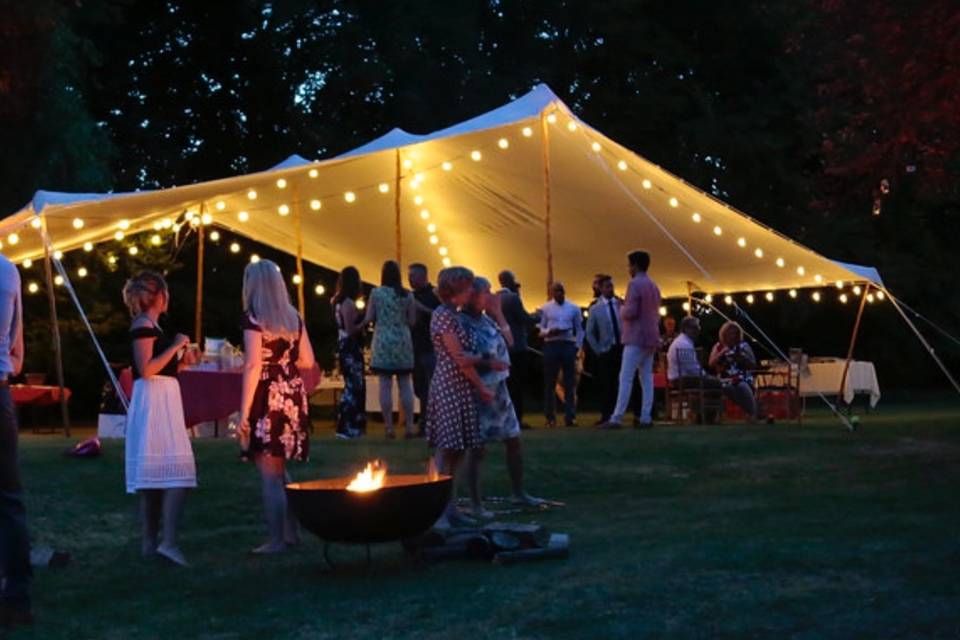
<point>151,506</point>
<point>274,502</point>
<point>173,502</point>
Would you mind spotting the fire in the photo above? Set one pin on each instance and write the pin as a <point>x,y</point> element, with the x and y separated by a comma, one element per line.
<point>370,479</point>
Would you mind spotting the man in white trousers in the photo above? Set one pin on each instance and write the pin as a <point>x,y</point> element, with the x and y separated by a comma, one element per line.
<point>640,319</point>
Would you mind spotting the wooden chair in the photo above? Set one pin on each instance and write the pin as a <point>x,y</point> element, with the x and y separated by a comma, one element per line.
<point>778,388</point>
<point>693,402</point>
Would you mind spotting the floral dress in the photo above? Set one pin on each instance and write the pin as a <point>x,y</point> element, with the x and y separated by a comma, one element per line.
<point>351,409</point>
<point>279,418</point>
<point>392,344</point>
<point>498,419</point>
<point>452,421</point>
<point>730,365</point>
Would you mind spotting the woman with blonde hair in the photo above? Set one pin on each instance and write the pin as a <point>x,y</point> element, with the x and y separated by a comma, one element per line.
<point>734,362</point>
<point>159,458</point>
<point>274,418</point>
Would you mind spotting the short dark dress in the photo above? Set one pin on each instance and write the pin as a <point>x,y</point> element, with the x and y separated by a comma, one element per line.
<point>279,417</point>
<point>452,417</point>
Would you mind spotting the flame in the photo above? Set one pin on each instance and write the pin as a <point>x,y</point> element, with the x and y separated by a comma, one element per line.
<point>370,479</point>
<point>433,473</point>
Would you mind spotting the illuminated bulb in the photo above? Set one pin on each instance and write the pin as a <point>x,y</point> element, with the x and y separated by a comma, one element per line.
<point>442,251</point>
<point>434,239</point>
<point>781,263</point>
<point>552,118</point>
<point>252,194</point>
<point>418,200</point>
<point>424,214</point>
<point>717,231</point>
<point>124,224</point>
<point>816,296</point>
<point>254,258</point>
<point>384,187</point>
<point>793,293</point>
<point>769,296</point>
<point>843,298</point>
<point>297,279</point>
<point>243,216</point>
<point>283,210</point>
<point>475,155</point>
<point>447,166</point>
<point>446,262</point>
<point>839,284</point>
<point>647,184</point>
<point>503,143</point>
<point>58,255</point>
<point>234,247</point>
<point>801,271</point>
<point>206,218</point>
<point>596,147</point>
<point>13,238</point>
<point>881,295</point>
<point>33,287</point>
<point>350,197</point>
<point>419,177</point>
<point>36,224</point>
<point>194,222</point>
<point>870,298</point>
<point>686,306</point>
<point>313,173</point>
<point>189,215</point>
<point>281,184</point>
<point>527,132</point>
<point>315,205</point>
<point>319,289</point>
<point>431,228</point>
<point>674,203</point>
<point>696,217</point>
<point>708,298</point>
<point>749,298</point>
<point>221,205</point>
<point>77,223</point>
<point>133,250</point>
<point>622,165</point>
<point>214,235</point>
<point>758,252</point>
<point>361,304</point>
<point>112,259</point>
<point>88,246</point>
<point>82,272</point>
<point>156,240</point>
<point>27,263</point>
<point>742,242</point>
<point>728,299</point>
<point>571,126</point>
<point>157,226</point>
<point>58,280</point>
<point>818,278</point>
<point>408,163</point>
<point>857,290</point>
<point>166,223</point>
<point>118,236</point>
<point>414,184</point>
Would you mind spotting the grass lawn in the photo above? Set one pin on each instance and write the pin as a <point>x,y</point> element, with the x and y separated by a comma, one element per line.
<point>728,531</point>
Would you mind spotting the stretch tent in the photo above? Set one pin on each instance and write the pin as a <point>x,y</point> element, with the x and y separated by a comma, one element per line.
<point>527,186</point>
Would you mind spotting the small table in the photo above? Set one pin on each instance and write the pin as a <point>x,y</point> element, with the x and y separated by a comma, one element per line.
<point>823,376</point>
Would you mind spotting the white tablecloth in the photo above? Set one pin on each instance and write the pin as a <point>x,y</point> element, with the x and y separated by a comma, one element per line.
<point>824,377</point>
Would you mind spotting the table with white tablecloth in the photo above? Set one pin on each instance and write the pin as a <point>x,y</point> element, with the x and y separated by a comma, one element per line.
<point>823,375</point>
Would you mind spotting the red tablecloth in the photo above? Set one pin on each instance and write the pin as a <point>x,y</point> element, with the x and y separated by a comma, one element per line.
<point>37,394</point>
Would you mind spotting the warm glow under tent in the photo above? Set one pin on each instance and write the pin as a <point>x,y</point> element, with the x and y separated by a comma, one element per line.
<point>476,194</point>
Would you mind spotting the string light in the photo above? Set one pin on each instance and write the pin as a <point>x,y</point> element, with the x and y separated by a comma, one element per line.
<point>313,173</point>
<point>419,177</point>
<point>475,155</point>
<point>816,296</point>
<point>361,304</point>
<point>82,272</point>
<point>818,278</point>
<point>319,289</point>
<point>728,299</point>
<point>781,263</point>
<point>769,296</point>
<point>58,255</point>
<point>27,263</point>
<point>58,280</point>
<point>297,279</point>
<point>214,236</point>
<point>157,226</point>
<point>431,228</point>
<point>88,246</point>
<point>446,262</point>
<point>133,250</point>
<point>749,298</point>
<point>503,143</point>
<point>647,184</point>
<point>801,271</point>
<point>243,216</point>
<point>36,223</point>
<point>418,200</point>
<point>685,306</point>
<point>552,118</point>
<point>857,290</point>
<point>206,219</point>
<point>742,242</point>
<point>155,239</point>
<point>447,166</point>
<point>407,163</point>
<point>442,251</point>
<point>252,194</point>
<point>221,205</point>
<point>189,216</point>
<point>77,223</point>
<point>839,284</point>
<point>166,223</point>
<point>571,126</point>
<point>674,203</point>
<point>124,224</point>
<point>793,293</point>
<point>118,236</point>
<point>350,197</point>
<point>424,214</point>
<point>758,252</point>
<point>434,239</point>
<point>870,298</point>
<point>384,187</point>
<point>596,147</point>
<point>696,217</point>
<point>234,247</point>
<point>527,132</point>
<point>13,238</point>
<point>843,298</point>
<point>622,165</point>
<point>254,258</point>
<point>717,231</point>
<point>33,287</point>
<point>283,210</point>
<point>708,298</point>
<point>112,259</point>
<point>881,295</point>
<point>315,205</point>
<point>281,183</point>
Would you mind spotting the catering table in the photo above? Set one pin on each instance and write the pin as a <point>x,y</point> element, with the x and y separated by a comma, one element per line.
<point>823,375</point>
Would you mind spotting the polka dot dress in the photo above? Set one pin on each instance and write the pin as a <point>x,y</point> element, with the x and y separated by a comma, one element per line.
<point>452,421</point>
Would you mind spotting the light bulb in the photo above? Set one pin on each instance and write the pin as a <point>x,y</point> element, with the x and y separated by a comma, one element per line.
<point>58,255</point>
<point>157,226</point>
<point>674,203</point>
<point>424,214</point>
<point>447,166</point>
<point>434,239</point>
<point>696,217</point>
<point>36,223</point>
<point>781,263</point>
<point>742,242</point>
<point>414,184</point>
<point>221,205</point>
<point>13,238</point>
<point>88,246</point>
<point>313,173</point>
<point>816,296</point>
<point>769,296</point>
<point>214,236</point>
<point>793,293</point>
<point>418,200</point>
<point>33,287</point>
<point>431,228</point>
<point>124,224</point>
<point>319,289</point>
<point>118,236</point>
<point>728,299</point>
<point>77,223</point>
<point>254,258</point>
<point>663,311</point>
<point>685,306</point>
<point>361,304</point>
<point>527,132</point>
<point>503,143</point>
<point>27,263</point>
<point>407,163</point>
<point>234,247</point>
<point>622,165</point>
<point>749,298</point>
<point>818,278</point>
<point>801,271</point>
<point>552,118</point>
<point>350,197</point>
<point>58,280</point>
<point>166,223</point>
<point>133,250</point>
<point>419,177</point>
<point>708,298</point>
<point>384,187</point>
<point>156,239</point>
<point>297,279</point>
<point>442,251</point>
<point>281,184</point>
<point>112,259</point>
<point>315,205</point>
<point>881,295</point>
<point>194,222</point>
<point>189,215</point>
<point>843,298</point>
<point>475,155</point>
<point>758,252</point>
<point>857,290</point>
<point>252,194</point>
<point>283,210</point>
<point>206,218</point>
<point>82,272</point>
<point>717,231</point>
<point>243,216</point>
<point>446,262</point>
<point>596,147</point>
<point>870,298</point>
<point>647,184</point>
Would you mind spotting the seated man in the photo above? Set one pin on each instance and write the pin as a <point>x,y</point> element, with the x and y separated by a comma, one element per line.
<point>683,367</point>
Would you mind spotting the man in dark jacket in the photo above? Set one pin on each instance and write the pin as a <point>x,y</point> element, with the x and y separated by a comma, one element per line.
<point>424,359</point>
<point>519,321</point>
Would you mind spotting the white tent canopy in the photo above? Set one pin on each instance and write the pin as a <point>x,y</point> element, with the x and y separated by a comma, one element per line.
<point>474,193</point>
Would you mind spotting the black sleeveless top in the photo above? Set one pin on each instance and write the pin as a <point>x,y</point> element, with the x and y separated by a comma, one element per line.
<point>162,343</point>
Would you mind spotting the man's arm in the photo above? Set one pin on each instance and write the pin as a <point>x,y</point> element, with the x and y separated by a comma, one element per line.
<point>578,326</point>
<point>631,306</point>
<point>16,334</point>
<point>592,338</point>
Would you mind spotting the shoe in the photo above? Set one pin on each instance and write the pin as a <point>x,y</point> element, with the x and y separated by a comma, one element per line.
<point>172,554</point>
<point>642,425</point>
<point>609,425</point>
<point>570,423</point>
<point>340,435</point>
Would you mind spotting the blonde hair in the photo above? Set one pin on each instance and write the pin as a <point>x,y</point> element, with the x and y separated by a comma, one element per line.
<point>267,301</point>
<point>730,325</point>
<point>142,290</point>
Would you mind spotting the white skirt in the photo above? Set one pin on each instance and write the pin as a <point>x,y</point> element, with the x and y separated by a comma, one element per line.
<point>158,450</point>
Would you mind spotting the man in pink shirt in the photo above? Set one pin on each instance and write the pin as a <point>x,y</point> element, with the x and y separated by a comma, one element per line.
<point>640,316</point>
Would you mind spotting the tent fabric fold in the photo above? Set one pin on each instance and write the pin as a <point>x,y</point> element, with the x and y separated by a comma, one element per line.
<point>472,193</point>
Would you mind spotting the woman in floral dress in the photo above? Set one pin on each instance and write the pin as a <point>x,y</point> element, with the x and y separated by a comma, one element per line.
<point>352,407</point>
<point>490,336</point>
<point>274,418</point>
<point>734,361</point>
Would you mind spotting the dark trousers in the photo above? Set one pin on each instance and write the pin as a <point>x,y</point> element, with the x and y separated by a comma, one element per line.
<point>559,356</point>
<point>14,542</point>
<point>423,366</point>
<point>608,379</point>
<point>517,382</point>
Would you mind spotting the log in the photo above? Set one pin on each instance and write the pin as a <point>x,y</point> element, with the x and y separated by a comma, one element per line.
<point>505,541</point>
<point>557,547</point>
<point>530,535</point>
<point>464,545</point>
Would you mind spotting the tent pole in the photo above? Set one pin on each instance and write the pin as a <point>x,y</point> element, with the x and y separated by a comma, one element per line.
<point>853,341</point>
<point>55,325</point>
<point>198,313</point>
<point>298,227</point>
<point>396,208</point>
<point>689,298</point>
<point>923,341</point>
<point>545,146</point>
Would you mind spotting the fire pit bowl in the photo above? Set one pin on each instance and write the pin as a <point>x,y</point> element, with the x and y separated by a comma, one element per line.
<point>404,507</point>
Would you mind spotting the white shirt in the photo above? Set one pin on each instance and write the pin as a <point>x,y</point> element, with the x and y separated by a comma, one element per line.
<point>11,313</point>
<point>564,317</point>
<point>682,359</point>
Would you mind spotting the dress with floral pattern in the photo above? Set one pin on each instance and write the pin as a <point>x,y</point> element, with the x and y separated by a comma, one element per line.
<point>452,422</point>
<point>498,419</point>
<point>351,409</point>
<point>279,418</point>
<point>392,348</point>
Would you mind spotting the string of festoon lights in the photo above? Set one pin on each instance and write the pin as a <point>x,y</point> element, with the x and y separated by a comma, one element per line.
<point>416,176</point>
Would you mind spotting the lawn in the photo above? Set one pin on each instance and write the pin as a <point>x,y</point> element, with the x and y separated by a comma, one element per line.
<point>726,531</point>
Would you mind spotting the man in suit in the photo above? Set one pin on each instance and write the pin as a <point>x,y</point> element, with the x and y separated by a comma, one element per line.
<point>519,321</point>
<point>603,334</point>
